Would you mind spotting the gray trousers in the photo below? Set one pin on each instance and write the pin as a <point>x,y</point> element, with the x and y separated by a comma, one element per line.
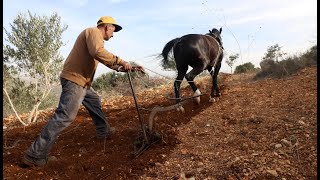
<point>72,96</point>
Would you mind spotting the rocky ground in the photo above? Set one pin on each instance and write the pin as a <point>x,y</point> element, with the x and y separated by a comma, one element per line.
<point>264,129</point>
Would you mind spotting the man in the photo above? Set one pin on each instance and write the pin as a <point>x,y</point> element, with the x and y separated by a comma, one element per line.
<point>76,78</point>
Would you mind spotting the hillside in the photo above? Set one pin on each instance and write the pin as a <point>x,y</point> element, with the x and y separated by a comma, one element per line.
<point>264,129</point>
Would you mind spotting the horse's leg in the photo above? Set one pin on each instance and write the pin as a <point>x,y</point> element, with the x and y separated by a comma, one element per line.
<point>211,99</point>
<point>215,78</point>
<point>177,84</point>
<point>190,77</point>
<point>214,75</point>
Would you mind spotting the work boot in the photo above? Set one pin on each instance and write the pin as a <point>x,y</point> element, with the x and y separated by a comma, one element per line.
<point>103,133</point>
<point>31,161</point>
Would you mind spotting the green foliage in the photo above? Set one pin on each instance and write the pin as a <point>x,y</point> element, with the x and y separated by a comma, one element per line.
<point>170,64</point>
<point>51,101</point>
<point>273,53</point>
<point>31,51</point>
<point>20,94</point>
<point>246,67</point>
<point>310,57</point>
<point>288,66</point>
<point>105,81</point>
<point>33,46</point>
<point>112,80</point>
<point>231,60</point>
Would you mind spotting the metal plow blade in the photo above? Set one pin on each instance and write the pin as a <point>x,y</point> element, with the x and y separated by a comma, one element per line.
<point>142,143</point>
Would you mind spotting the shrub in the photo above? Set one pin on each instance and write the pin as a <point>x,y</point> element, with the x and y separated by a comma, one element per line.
<point>288,66</point>
<point>246,67</point>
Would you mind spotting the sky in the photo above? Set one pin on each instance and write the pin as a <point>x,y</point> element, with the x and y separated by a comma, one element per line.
<point>248,27</point>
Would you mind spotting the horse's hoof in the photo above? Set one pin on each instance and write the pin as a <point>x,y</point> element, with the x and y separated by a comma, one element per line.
<point>211,99</point>
<point>180,108</point>
<point>197,93</point>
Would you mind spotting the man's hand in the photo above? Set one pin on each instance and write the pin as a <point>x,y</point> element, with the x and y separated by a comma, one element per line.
<point>123,68</point>
<point>138,68</point>
<point>126,66</point>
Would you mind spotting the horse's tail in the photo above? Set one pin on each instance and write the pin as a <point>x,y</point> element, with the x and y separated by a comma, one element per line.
<point>167,49</point>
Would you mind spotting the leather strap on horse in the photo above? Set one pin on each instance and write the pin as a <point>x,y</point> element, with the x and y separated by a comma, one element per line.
<point>219,51</point>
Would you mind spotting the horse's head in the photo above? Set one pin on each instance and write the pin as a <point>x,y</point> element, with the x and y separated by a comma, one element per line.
<point>216,34</point>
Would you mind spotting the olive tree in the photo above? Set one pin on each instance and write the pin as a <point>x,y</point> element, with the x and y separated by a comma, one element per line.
<point>32,51</point>
<point>273,53</point>
<point>231,60</point>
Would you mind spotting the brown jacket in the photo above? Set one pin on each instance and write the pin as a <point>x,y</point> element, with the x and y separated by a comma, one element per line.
<point>88,50</point>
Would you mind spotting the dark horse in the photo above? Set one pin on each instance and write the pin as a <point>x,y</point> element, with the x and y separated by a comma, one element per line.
<point>199,51</point>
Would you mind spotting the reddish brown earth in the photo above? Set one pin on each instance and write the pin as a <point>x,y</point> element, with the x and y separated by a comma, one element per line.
<point>264,129</point>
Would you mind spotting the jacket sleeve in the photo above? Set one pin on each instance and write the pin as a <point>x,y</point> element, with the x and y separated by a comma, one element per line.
<point>115,67</point>
<point>96,49</point>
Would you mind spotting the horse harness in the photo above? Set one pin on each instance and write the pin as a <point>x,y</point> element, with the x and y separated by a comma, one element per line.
<point>219,51</point>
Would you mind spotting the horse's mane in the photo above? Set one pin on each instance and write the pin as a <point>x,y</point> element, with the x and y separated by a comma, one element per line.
<point>216,35</point>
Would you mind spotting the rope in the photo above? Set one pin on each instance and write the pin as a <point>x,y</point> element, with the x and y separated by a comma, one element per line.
<point>167,94</point>
<point>166,76</point>
<point>157,73</point>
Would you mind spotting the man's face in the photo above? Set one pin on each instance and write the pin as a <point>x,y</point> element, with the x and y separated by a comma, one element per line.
<point>109,29</point>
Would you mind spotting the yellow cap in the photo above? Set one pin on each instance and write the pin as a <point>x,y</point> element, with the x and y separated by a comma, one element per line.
<point>109,20</point>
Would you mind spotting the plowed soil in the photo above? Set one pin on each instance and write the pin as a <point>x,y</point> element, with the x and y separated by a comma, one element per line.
<point>263,129</point>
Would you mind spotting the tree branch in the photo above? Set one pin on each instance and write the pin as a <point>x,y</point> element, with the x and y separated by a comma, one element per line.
<point>14,110</point>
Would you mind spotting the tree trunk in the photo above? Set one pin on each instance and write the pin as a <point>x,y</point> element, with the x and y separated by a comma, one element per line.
<point>31,117</point>
<point>34,113</point>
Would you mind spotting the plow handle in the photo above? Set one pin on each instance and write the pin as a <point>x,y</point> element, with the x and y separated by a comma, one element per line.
<point>137,108</point>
